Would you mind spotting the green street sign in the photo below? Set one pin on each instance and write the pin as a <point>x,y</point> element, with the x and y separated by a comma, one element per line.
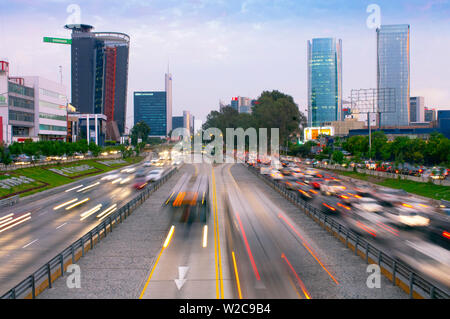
<point>58,40</point>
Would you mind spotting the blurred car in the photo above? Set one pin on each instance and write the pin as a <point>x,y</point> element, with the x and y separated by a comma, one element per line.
<point>276,175</point>
<point>439,230</point>
<point>147,164</point>
<point>155,175</point>
<point>331,187</point>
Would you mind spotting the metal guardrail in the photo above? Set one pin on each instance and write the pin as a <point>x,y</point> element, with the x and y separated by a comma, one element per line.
<point>11,201</point>
<point>401,274</point>
<point>48,273</point>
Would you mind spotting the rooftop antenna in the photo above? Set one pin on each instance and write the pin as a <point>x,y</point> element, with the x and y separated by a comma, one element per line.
<point>60,74</point>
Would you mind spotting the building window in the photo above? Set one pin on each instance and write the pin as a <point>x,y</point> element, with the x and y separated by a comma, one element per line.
<point>19,102</point>
<point>20,131</point>
<point>44,127</point>
<point>21,116</point>
<point>20,89</point>
<point>52,117</point>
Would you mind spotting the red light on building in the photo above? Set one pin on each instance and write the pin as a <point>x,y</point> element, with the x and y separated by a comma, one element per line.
<point>234,99</point>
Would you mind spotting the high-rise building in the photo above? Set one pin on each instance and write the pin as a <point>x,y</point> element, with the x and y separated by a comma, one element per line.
<point>151,108</point>
<point>177,122</point>
<point>240,104</point>
<point>100,75</point>
<point>430,115</point>
<point>417,109</point>
<point>169,102</point>
<point>235,103</point>
<point>324,81</point>
<point>393,72</point>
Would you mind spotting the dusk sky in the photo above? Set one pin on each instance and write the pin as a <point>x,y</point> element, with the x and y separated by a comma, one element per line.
<point>223,48</point>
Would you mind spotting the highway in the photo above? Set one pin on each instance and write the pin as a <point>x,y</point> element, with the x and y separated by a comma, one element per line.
<point>252,243</point>
<point>254,249</point>
<point>51,222</point>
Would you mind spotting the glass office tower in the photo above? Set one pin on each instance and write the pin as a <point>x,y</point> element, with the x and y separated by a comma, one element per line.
<point>393,72</point>
<point>324,81</point>
<point>151,108</point>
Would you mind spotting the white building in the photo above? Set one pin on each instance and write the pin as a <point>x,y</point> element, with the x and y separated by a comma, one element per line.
<point>17,108</point>
<point>51,102</point>
<point>31,107</point>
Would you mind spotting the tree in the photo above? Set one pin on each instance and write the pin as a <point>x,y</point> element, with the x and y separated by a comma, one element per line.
<point>5,156</point>
<point>278,110</point>
<point>338,157</point>
<point>139,131</point>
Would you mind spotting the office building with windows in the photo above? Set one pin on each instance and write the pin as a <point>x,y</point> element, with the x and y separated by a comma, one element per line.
<point>393,72</point>
<point>430,115</point>
<point>51,102</point>
<point>100,75</point>
<point>31,107</point>
<point>324,81</point>
<point>417,109</point>
<point>177,122</point>
<point>151,107</point>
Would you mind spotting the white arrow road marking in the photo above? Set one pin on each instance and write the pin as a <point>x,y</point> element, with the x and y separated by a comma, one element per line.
<point>182,271</point>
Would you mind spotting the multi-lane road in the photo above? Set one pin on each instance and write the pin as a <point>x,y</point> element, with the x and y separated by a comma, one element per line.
<point>254,243</point>
<point>38,228</point>
<point>258,245</point>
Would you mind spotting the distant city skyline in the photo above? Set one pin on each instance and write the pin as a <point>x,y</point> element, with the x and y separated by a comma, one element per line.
<point>208,43</point>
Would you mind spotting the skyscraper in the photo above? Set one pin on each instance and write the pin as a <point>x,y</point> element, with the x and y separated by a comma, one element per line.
<point>169,102</point>
<point>100,75</point>
<point>324,81</point>
<point>150,107</point>
<point>393,72</point>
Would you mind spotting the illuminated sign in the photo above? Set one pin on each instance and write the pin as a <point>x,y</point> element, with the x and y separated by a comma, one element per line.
<point>312,133</point>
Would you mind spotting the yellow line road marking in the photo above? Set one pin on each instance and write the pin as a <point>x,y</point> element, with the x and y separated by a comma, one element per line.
<point>151,274</point>
<point>237,276</point>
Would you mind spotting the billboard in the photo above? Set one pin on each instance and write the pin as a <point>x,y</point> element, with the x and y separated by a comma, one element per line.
<point>312,133</point>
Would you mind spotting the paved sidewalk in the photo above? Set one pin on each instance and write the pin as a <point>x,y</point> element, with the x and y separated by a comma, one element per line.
<point>118,266</point>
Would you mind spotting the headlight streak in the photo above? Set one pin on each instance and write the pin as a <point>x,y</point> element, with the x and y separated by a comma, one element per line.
<point>78,203</point>
<point>15,222</point>
<point>169,237</point>
<point>88,187</point>
<point>107,212</point>
<point>72,189</point>
<point>90,212</point>
<point>65,204</point>
<point>205,236</point>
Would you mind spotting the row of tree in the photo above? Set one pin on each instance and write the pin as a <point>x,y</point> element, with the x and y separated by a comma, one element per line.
<point>271,110</point>
<point>434,151</point>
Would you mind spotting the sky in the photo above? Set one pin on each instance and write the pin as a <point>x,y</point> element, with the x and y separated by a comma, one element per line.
<point>218,49</point>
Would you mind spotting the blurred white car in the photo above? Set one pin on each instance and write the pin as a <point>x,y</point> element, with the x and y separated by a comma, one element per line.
<point>331,187</point>
<point>155,175</point>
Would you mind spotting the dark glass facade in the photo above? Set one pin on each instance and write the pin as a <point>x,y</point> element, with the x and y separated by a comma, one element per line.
<point>151,108</point>
<point>100,73</point>
<point>177,122</point>
<point>324,81</point>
